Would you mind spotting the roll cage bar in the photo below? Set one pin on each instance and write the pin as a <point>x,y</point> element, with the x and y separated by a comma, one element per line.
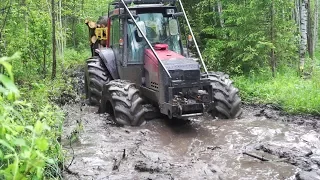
<point>144,2</point>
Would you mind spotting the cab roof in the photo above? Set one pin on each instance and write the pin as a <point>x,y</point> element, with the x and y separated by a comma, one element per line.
<point>142,8</point>
<point>140,2</point>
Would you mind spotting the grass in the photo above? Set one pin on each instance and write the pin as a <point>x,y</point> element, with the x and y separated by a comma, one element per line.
<point>292,93</point>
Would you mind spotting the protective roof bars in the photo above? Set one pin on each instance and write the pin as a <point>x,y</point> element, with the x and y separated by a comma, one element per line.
<point>146,1</point>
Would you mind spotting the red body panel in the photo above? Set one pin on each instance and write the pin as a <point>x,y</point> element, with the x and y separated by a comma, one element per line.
<point>151,63</point>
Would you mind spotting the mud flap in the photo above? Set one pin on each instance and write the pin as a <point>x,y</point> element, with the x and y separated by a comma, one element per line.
<point>108,57</point>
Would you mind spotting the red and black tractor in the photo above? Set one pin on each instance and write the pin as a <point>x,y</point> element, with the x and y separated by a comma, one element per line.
<point>138,61</point>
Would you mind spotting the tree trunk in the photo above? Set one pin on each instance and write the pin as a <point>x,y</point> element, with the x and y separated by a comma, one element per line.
<point>219,6</point>
<point>44,63</point>
<point>61,51</point>
<point>297,13</point>
<point>8,7</point>
<point>310,35</point>
<point>272,53</point>
<point>303,31</point>
<point>74,25</point>
<point>2,35</point>
<point>59,46</point>
<point>61,40</point>
<point>315,29</point>
<point>54,57</point>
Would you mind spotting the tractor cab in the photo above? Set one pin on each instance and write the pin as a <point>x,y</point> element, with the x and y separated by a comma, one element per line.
<point>157,21</point>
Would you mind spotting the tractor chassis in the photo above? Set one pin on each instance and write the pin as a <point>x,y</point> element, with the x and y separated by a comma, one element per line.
<point>181,107</point>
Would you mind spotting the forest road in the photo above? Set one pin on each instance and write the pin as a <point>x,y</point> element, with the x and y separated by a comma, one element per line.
<point>263,144</point>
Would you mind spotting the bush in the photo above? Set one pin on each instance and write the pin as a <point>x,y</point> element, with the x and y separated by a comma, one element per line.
<point>73,57</point>
<point>287,90</point>
<point>29,132</point>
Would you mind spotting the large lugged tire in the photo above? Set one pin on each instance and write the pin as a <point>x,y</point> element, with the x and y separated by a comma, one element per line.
<point>96,75</point>
<point>122,100</point>
<point>226,101</point>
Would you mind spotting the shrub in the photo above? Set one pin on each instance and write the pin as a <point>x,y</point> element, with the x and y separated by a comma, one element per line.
<point>29,134</point>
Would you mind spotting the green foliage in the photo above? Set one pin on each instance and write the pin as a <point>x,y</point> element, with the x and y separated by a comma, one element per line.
<point>239,39</point>
<point>287,90</point>
<point>28,29</point>
<point>74,57</point>
<point>8,89</point>
<point>29,132</point>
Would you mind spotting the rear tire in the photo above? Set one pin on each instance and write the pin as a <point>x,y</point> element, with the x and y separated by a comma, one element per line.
<point>96,75</point>
<point>226,101</point>
<point>122,100</point>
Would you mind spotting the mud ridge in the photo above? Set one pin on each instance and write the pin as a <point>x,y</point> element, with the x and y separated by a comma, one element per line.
<point>276,113</point>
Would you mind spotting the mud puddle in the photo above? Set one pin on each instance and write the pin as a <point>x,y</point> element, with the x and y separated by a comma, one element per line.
<point>254,147</point>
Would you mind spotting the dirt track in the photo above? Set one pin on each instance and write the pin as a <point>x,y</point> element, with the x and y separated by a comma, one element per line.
<point>200,149</point>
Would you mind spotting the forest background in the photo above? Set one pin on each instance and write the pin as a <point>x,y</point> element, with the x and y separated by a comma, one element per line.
<point>269,48</point>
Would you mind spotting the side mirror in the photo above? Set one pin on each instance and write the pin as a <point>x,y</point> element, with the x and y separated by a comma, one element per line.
<point>173,27</point>
<point>178,14</point>
<point>142,26</point>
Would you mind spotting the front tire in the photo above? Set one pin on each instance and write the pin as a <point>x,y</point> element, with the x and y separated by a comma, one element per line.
<point>226,101</point>
<point>96,75</point>
<point>122,100</point>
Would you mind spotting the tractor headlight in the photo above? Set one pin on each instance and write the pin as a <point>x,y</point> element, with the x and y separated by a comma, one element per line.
<point>170,11</point>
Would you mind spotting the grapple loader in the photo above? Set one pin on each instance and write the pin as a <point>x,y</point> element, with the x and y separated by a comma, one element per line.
<point>139,64</point>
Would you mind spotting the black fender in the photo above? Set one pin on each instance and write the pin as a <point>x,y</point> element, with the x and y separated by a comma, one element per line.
<point>109,60</point>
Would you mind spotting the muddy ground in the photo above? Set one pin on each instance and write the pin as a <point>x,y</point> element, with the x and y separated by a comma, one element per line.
<point>284,147</point>
<point>264,144</point>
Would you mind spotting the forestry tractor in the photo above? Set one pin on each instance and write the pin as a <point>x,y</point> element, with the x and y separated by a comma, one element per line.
<point>139,64</point>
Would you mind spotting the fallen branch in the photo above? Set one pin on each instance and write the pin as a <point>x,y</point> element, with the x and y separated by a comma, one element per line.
<point>282,160</point>
<point>66,169</point>
<point>116,163</point>
<point>255,156</point>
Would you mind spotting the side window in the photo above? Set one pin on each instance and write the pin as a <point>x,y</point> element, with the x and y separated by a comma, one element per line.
<point>115,34</point>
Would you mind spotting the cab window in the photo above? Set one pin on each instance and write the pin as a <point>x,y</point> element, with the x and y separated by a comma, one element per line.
<point>157,31</point>
<point>115,30</point>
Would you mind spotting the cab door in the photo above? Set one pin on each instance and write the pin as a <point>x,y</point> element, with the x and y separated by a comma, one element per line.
<point>115,37</point>
<point>130,58</point>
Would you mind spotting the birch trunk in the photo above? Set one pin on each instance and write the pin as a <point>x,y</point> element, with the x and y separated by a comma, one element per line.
<point>54,58</point>
<point>61,33</point>
<point>219,6</point>
<point>303,32</point>
<point>315,29</point>
<point>297,13</point>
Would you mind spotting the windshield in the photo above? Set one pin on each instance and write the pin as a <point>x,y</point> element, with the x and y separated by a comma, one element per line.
<point>157,31</point>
